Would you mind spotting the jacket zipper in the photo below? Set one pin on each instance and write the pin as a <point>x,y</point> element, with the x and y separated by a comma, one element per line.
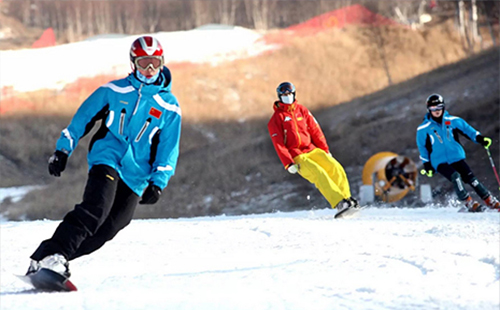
<point>138,99</point>
<point>438,136</point>
<point>143,129</point>
<point>447,131</point>
<point>297,129</point>
<point>284,140</point>
<point>122,121</point>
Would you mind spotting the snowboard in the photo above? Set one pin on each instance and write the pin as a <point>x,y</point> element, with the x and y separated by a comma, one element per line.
<point>48,280</point>
<point>348,213</point>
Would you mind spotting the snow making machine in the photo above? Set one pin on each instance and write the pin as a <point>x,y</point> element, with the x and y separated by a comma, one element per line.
<point>389,177</point>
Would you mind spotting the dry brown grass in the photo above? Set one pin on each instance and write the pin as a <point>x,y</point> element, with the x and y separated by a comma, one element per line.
<point>327,69</point>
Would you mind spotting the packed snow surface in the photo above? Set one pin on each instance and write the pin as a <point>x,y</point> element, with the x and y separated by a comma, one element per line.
<point>425,258</point>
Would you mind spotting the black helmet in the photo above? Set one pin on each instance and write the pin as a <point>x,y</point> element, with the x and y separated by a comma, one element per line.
<point>434,100</point>
<point>285,87</point>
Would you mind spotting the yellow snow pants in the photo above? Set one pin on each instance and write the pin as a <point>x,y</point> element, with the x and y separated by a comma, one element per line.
<point>326,173</point>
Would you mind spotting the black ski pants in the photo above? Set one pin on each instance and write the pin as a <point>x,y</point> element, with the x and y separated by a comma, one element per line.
<point>108,206</point>
<point>458,173</point>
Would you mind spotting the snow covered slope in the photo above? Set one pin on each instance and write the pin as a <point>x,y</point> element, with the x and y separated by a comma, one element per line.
<point>428,258</point>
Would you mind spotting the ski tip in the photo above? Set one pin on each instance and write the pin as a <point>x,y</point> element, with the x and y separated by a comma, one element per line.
<point>23,278</point>
<point>70,286</point>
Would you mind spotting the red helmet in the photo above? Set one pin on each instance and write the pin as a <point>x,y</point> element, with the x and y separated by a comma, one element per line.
<point>146,47</point>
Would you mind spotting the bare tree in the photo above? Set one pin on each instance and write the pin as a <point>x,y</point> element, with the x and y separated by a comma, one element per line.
<point>75,19</point>
<point>258,12</point>
<point>101,19</point>
<point>200,12</point>
<point>152,13</point>
<point>410,12</point>
<point>26,12</point>
<point>487,8</point>
<point>227,9</point>
<point>474,29</point>
<point>69,22</point>
<point>89,13</point>
<point>60,21</point>
<point>463,25</point>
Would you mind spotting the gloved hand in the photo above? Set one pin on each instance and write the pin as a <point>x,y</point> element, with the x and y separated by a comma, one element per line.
<point>293,168</point>
<point>428,170</point>
<point>57,163</point>
<point>151,195</point>
<point>484,141</point>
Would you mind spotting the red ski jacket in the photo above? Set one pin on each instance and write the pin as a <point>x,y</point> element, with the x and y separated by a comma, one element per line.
<point>294,131</point>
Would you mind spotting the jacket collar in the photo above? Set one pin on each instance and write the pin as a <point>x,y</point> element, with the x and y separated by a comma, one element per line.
<point>280,106</point>
<point>428,117</point>
<point>164,85</point>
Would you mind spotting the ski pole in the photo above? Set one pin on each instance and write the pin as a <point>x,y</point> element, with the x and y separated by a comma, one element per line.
<point>493,166</point>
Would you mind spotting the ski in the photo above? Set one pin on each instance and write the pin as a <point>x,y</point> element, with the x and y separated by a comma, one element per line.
<point>348,213</point>
<point>48,280</point>
<point>481,209</point>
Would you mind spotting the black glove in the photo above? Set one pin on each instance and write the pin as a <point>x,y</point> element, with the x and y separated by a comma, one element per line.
<point>151,195</point>
<point>57,163</point>
<point>428,170</point>
<point>484,141</point>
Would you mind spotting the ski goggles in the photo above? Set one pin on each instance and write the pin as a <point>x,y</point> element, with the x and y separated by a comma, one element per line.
<point>145,62</point>
<point>438,107</point>
<point>285,90</point>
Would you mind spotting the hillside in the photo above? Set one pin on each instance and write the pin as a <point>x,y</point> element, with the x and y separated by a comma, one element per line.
<point>227,163</point>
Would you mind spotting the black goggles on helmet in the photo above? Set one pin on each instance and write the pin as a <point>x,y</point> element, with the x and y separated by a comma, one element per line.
<point>434,108</point>
<point>285,90</point>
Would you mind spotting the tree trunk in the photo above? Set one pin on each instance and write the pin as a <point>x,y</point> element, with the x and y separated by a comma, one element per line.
<point>78,20</point>
<point>474,28</point>
<point>462,25</point>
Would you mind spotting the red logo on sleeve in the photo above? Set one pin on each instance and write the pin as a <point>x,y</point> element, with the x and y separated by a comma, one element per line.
<point>447,123</point>
<point>154,112</point>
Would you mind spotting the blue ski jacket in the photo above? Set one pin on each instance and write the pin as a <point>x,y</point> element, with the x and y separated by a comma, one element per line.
<point>139,134</point>
<point>439,143</point>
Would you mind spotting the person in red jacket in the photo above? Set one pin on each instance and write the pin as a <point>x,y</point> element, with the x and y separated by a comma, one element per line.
<point>302,148</point>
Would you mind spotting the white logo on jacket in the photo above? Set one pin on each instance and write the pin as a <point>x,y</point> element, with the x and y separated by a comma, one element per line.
<point>287,118</point>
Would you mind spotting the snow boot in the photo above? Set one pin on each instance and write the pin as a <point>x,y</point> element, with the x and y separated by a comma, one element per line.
<point>492,202</point>
<point>55,262</point>
<point>346,207</point>
<point>474,206</point>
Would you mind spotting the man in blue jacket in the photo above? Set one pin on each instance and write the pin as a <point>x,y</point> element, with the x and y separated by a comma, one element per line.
<point>131,157</point>
<point>441,151</point>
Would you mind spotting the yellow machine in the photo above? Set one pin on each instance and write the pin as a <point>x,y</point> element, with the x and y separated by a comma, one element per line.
<point>389,177</point>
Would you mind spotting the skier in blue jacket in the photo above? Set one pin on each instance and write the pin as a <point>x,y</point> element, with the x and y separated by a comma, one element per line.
<point>132,155</point>
<point>441,151</point>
